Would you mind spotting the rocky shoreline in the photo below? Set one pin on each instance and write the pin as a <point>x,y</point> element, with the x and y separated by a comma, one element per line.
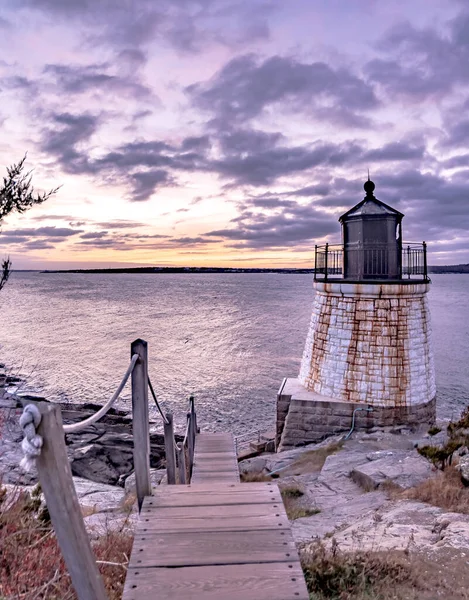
<point>102,452</point>
<point>101,460</point>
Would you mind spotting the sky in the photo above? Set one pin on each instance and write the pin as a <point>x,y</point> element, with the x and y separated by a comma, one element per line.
<point>231,132</point>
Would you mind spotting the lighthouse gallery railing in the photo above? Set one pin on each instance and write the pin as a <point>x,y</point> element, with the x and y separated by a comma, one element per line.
<point>329,261</point>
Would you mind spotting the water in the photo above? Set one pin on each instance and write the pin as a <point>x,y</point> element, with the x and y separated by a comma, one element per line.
<point>227,338</point>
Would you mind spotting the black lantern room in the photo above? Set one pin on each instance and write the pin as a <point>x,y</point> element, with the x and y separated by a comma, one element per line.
<point>372,239</point>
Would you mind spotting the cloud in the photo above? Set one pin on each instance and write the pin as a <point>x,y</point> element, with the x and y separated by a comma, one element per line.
<point>55,232</point>
<point>188,25</point>
<point>39,245</point>
<point>146,182</point>
<point>80,79</point>
<point>246,86</point>
<point>268,165</point>
<point>120,224</point>
<point>422,63</point>
<point>292,225</point>
<point>93,235</point>
<point>62,140</point>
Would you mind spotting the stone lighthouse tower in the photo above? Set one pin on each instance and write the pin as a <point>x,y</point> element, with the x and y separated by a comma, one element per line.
<point>368,354</point>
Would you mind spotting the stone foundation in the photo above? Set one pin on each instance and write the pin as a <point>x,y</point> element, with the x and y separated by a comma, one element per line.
<point>305,417</point>
<point>370,343</point>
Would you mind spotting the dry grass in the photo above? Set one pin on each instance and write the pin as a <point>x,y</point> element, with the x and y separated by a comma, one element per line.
<point>300,512</point>
<point>291,491</point>
<point>294,505</point>
<point>445,490</point>
<point>31,564</point>
<point>311,461</point>
<point>254,477</point>
<point>331,574</point>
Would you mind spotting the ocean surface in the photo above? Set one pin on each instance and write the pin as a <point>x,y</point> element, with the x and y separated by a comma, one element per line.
<point>227,338</point>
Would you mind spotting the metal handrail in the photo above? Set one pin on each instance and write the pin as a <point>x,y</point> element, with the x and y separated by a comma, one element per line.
<point>412,261</point>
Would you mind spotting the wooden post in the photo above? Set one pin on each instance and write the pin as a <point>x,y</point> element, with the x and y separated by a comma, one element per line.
<point>190,442</point>
<point>182,464</point>
<point>170,449</point>
<point>141,431</point>
<point>56,481</point>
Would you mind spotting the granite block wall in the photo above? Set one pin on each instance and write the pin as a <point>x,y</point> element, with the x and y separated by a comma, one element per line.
<point>370,343</point>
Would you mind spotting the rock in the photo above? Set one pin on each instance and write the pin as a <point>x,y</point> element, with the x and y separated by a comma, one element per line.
<point>406,525</point>
<point>253,465</point>
<point>463,468</point>
<point>102,464</point>
<point>156,476</point>
<point>397,526</point>
<point>100,524</point>
<point>102,452</point>
<point>336,511</point>
<point>99,497</point>
<point>404,469</point>
<point>438,440</point>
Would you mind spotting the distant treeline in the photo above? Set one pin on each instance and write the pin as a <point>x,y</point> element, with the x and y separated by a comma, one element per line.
<point>449,269</point>
<point>182,270</point>
<point>431,269</point>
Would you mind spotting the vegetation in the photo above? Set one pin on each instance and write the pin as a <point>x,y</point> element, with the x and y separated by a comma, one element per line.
<point>446,491</point>
<point>291,491</point>
<point>17,194</point>
<point>254,477</point>
<point>434,430</point>
<point>31,564</point>
<point>331,574</point>
<point>458,432</point>
<point>311,461</point>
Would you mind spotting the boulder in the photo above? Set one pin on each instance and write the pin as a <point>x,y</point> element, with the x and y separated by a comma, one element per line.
<point>102,452</point>
<point>404,469</point>
<point>464,469</point>
<point>156,476</point>
<point>99,524</point>
<point>98,497</point>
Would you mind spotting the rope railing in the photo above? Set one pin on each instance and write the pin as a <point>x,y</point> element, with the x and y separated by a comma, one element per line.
<point>75,427</point>
<point>152,391</point>
<point>31,419</point>
<point>44,445</point>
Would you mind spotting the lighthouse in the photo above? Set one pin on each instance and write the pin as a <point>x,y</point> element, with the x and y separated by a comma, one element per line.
<point>368,358</point>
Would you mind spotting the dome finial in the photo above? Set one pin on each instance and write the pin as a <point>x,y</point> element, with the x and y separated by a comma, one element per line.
<point>369,186</point>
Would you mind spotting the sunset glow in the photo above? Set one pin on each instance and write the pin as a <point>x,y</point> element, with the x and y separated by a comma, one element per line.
<point>231,133</point>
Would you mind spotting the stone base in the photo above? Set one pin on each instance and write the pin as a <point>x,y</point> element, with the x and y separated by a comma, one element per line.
<point>305,417</point>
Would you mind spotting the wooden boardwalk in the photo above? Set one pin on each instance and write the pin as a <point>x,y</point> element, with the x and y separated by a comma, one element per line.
<point>215,538</point>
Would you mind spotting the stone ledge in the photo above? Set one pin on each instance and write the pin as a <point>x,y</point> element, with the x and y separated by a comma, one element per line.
<point>312,417</point>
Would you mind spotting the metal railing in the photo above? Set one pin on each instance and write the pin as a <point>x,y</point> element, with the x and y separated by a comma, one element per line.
<point>373,261</point>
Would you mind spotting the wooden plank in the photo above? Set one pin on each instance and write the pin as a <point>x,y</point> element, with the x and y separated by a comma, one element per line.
<point>214,456</point>
<point>206,523</point>
<point>268,581</point>
<point>216,466</point>
<point>200,478</point>
<point>212,548</point>
<point>218,488</point>
<point>56,481</point>
<point>207,499</point>
<point>217,511</point>
<point>140,424</point>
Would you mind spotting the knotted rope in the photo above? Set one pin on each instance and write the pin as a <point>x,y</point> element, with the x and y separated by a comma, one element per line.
<point>32,442</point>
